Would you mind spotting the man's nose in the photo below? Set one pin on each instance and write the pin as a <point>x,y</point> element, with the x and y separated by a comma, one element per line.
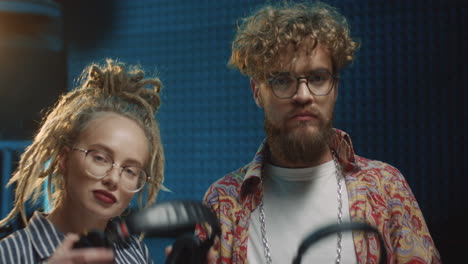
<point>303,94</point>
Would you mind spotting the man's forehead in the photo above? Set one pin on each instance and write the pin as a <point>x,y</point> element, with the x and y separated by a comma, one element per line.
<point>290,54</point>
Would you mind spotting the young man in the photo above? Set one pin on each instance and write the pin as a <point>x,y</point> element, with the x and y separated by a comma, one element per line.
<point>305,174</point>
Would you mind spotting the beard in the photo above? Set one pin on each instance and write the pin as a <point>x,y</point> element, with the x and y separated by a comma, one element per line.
<point>297,145</point>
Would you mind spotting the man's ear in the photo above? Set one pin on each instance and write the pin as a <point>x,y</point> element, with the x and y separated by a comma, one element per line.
<point>336,91</point>
<point>63,158</point>
<point>255,85</point>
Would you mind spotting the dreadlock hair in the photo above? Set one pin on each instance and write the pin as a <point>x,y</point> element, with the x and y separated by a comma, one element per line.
<point>103,88</point>
<point>262,36</point>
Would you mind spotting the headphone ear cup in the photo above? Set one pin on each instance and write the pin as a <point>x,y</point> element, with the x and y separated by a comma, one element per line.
<point>186,249</point>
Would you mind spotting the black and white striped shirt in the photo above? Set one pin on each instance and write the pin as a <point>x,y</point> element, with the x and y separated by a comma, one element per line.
<point>39,239</point>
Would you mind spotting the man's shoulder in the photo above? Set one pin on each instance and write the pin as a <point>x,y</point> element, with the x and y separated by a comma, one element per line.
<point>378,167</point>
<point>375,173</point>
<point>231,180</point>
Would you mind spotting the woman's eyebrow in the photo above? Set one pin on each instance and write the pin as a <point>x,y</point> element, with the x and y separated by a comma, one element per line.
<point>111,152</point>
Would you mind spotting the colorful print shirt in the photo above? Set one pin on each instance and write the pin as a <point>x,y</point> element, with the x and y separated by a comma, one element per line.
<point>378,195</point>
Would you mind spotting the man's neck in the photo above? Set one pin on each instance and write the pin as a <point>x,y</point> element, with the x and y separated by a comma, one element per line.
<point>322,158</point>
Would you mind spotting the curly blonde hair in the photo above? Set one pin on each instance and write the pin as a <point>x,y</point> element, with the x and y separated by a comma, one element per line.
<point>261,36</point>
<point>104,88</point>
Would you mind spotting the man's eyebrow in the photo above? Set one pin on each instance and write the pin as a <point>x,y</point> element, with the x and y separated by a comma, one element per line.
<point>273,74</point>
<point>318,69</point>
<point>310,72</point>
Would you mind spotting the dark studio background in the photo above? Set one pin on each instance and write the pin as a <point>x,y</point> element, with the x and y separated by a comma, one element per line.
<point>402,101</point>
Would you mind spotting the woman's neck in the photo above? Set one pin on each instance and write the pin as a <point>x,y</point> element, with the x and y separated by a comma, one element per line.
<point>68,220</point>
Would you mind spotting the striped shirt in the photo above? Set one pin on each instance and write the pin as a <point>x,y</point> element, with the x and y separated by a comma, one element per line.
<point>39,239</point>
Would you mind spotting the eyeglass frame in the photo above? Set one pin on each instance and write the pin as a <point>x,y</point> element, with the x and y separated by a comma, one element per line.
<point>113,165</point>
<point>334,79</point>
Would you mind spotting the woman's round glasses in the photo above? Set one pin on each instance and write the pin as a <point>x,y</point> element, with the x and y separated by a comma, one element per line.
<point>98,164</point>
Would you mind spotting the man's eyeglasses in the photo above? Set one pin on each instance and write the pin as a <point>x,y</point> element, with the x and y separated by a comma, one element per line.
<point>319,82</point>
<point>98,164</point>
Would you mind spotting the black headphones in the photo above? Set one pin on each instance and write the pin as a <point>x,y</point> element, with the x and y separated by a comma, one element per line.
<point>177,219</point>
<point>335,228</point>
<point>174,219</point>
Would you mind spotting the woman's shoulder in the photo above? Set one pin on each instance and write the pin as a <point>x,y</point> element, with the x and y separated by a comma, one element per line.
<point>17,238</point>
<point>16,248</point>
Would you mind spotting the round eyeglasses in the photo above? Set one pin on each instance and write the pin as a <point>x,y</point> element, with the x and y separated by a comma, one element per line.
<point>98,164</point>
<point>284,85</point>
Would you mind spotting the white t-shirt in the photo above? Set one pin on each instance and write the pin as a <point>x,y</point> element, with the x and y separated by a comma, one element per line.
<point>296,203</point>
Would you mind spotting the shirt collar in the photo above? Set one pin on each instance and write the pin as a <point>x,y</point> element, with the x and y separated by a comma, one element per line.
<point>44,235</point>
<point>341,144</point>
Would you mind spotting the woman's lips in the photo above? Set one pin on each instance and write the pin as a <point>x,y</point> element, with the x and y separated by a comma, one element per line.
<point>104,196</point>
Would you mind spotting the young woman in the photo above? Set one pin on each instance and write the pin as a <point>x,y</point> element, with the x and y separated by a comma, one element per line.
<point>98,147</point>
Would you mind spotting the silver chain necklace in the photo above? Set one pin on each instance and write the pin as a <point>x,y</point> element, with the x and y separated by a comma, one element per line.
<point>266,246</point>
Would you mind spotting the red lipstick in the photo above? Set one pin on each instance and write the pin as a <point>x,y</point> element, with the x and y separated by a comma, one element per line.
<point>104,196</point>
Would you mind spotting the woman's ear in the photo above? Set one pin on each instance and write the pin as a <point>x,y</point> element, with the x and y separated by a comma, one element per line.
<point>62,160</point>
<point>255,85</point>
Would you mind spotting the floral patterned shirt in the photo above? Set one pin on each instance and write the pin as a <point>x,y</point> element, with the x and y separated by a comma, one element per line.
<point>378,195</point>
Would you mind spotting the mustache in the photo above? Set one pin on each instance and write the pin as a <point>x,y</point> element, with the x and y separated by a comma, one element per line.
<point>305,111</point>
